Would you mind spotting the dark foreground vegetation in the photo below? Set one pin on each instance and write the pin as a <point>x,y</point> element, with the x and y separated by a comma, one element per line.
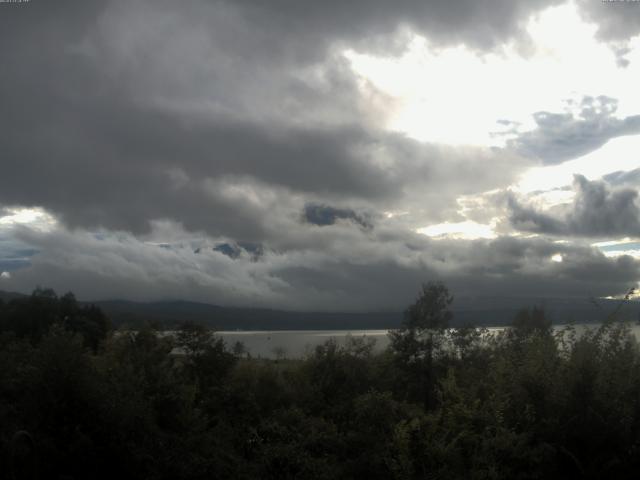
<point>78,401</point>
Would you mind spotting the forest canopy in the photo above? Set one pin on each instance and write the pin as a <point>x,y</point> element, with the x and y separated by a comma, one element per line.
<point>79,400</point>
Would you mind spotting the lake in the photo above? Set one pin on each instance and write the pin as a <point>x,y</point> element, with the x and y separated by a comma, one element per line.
<point>296,343</point>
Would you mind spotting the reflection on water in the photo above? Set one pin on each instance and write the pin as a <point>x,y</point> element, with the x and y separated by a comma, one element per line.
<point>297,343</point>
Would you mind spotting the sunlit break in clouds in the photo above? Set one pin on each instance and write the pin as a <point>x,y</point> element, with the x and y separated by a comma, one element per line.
<point>330,157</point>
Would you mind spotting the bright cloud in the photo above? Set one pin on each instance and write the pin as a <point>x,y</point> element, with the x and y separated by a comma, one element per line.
<point>454,95</point>
<point>464,230</point>
<point>619,154</point>
<point>33,217</point>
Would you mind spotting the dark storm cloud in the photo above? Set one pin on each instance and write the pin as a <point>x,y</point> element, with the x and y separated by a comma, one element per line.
<point>119,114</point>
<point>131,181</point>
<point>480,23</point>
<point>597,211</point>
<point>323,215</point>
<point>120,179</point>
<point>564,136</point>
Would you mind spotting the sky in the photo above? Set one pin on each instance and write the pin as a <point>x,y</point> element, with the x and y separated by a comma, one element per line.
<point>326,156</point>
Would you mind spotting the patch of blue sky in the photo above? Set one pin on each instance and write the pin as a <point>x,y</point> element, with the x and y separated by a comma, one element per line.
<point>618,247</point>
<point>14,254</point>
<point>13,264</point>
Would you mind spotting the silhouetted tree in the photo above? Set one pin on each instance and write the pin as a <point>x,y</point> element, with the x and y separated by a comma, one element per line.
<point>532,320</point>
<point>206,359</point>
<point>88,321</point>
<point>421,336</point>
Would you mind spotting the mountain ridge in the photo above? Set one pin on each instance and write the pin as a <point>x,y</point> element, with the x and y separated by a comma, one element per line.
<point>478,311</point>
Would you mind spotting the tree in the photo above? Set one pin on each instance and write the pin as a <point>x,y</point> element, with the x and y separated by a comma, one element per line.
<point>528,321</point>
<point>239,350</point>
<point>206,359</point>
<point>88,321</point>
<point>421,336</point>
<point>280,352</point>
<point>194,339</point>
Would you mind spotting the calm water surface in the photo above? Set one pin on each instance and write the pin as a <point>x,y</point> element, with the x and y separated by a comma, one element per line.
<point>297,343</point>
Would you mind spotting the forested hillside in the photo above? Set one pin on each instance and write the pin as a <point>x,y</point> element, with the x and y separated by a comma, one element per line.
<point>77,401</point>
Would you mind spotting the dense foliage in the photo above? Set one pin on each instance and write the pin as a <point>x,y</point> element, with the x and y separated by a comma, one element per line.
<point>79,401</point>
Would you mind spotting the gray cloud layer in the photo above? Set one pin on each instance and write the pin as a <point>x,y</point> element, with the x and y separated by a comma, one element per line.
<point>564,136</point>
<point>617,20</point>
<point>597,211</point>
<point>622,178</point>
<point>357,270</point>
<point>154,122</point>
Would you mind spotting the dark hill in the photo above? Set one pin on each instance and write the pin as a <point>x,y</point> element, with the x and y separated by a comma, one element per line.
<point>476,311</point>
<point>480,311</point>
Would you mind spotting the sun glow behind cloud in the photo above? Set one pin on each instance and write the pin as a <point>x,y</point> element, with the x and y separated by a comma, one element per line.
<point>462,230</point>
<point>456,96</point>
<point>33,217</point>
<point>557,258</point>
<point>619,154</point>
